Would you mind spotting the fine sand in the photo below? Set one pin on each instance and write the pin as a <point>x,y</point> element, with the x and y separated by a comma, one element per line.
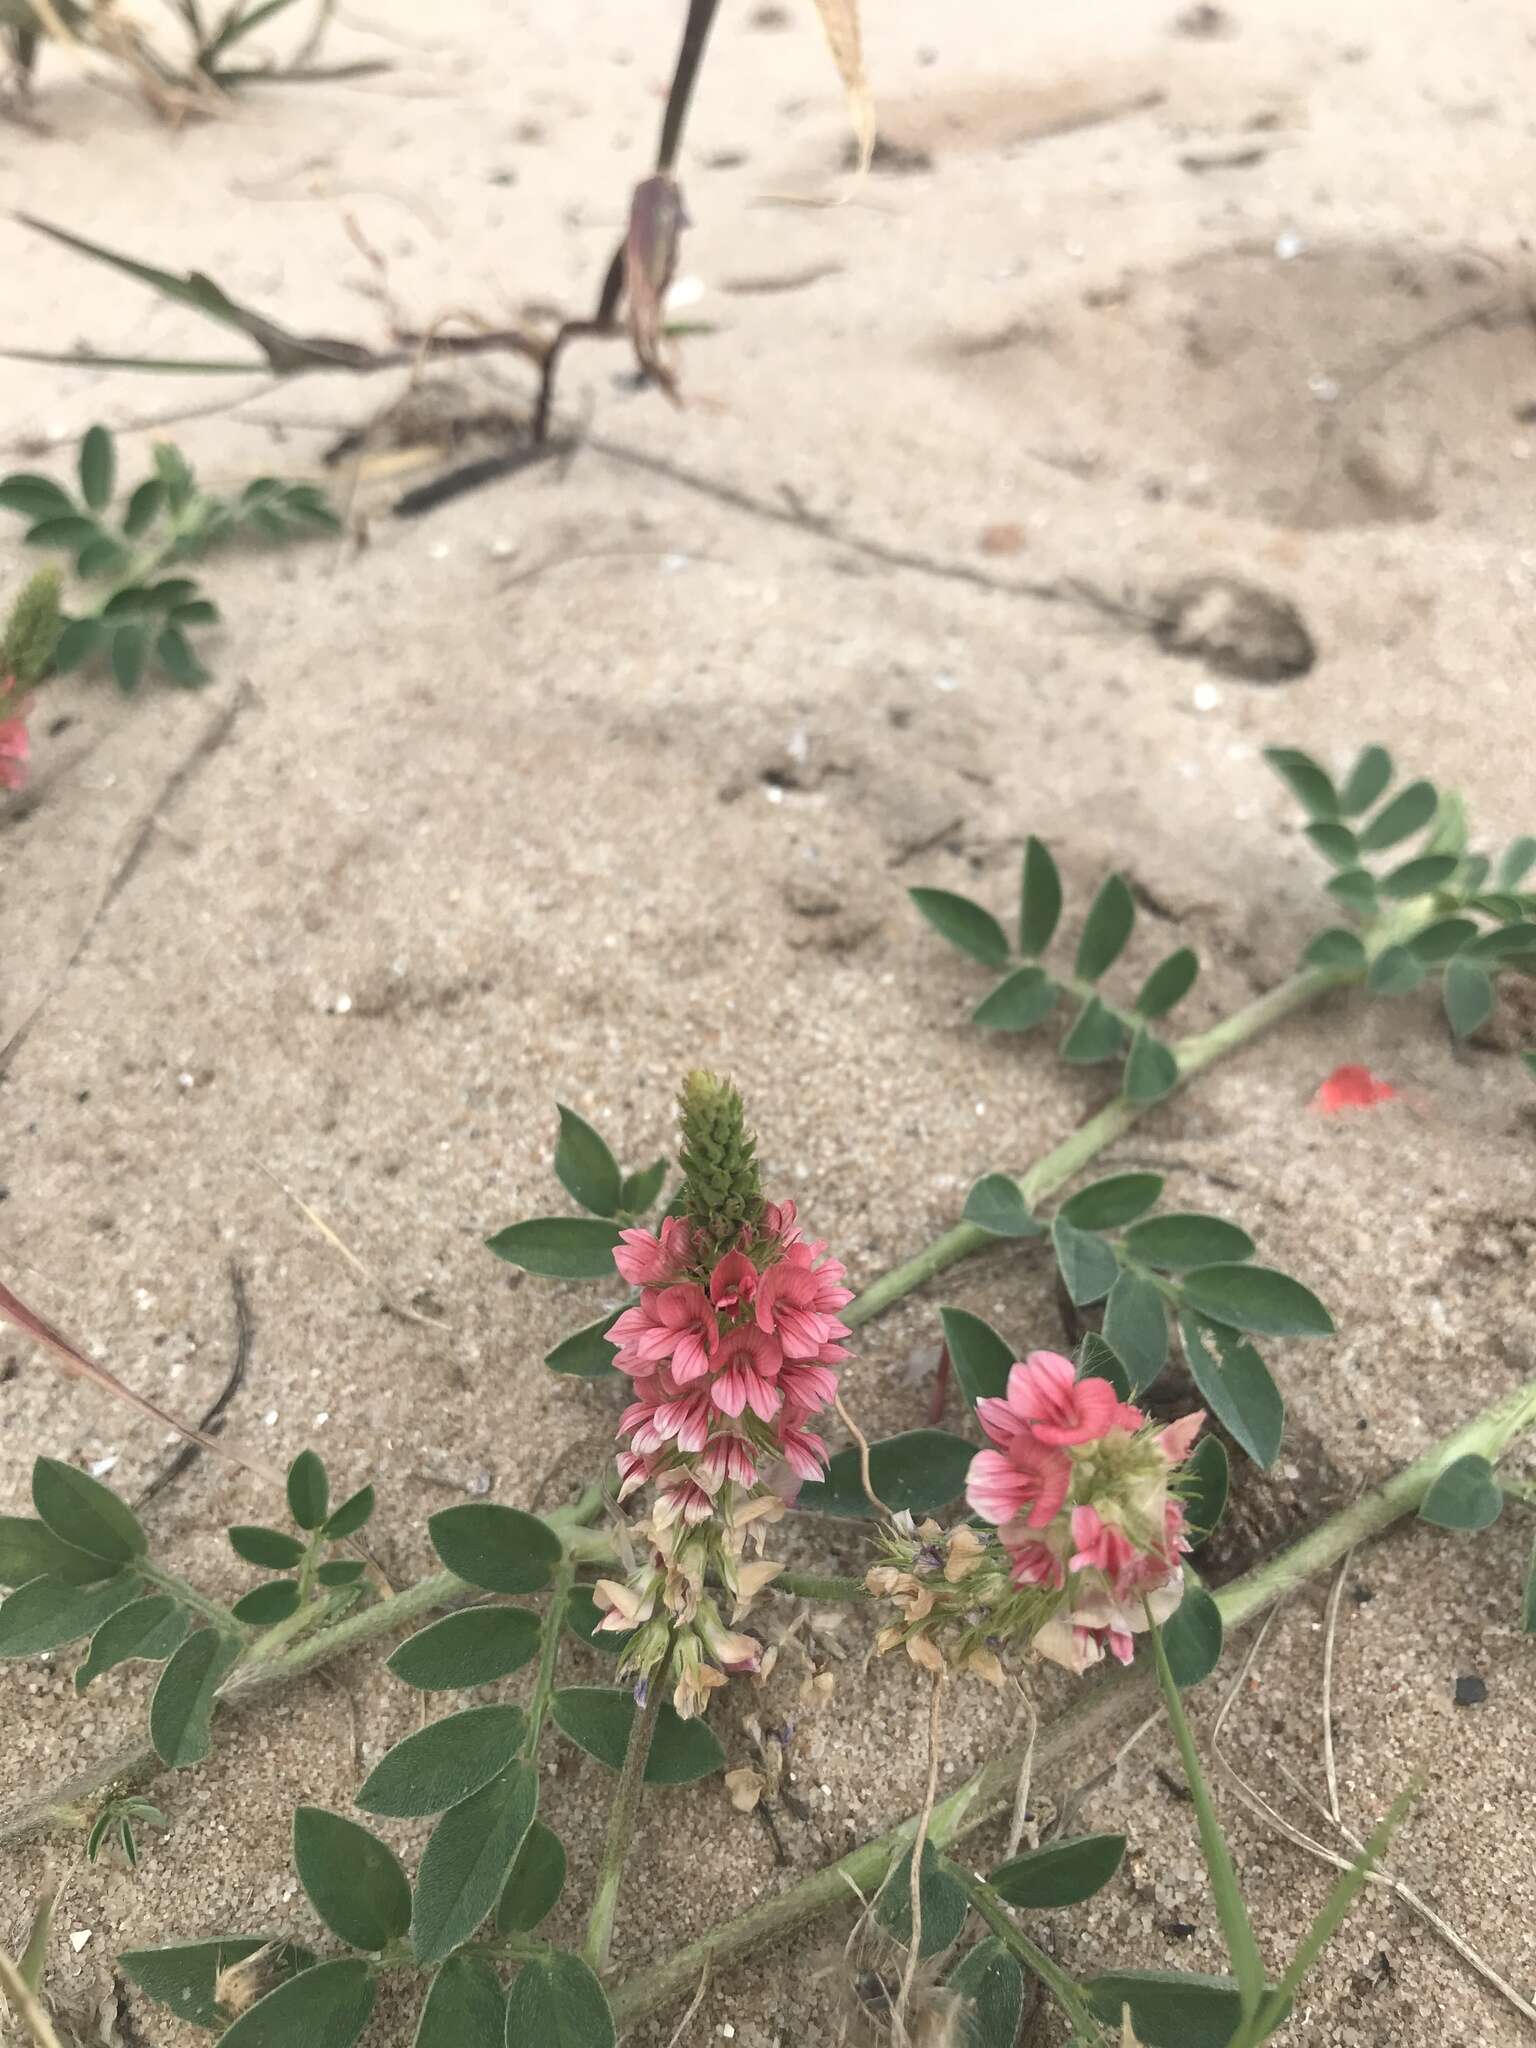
<point>625,765</point>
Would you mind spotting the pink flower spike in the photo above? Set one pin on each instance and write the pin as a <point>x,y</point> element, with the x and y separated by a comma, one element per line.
<point>1178,1439</point>
<point>746,1366</point>
<point>733,1283</point>
<point>1060,1408</point>
<point>1128,1418</point>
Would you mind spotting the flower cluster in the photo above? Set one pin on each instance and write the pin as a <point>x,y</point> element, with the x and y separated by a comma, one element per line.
<point>1080,1486</point>
<point>731,1350</point>
<point>730,1358</point>
<point>1083,1491</point>
<point>666,1608</point>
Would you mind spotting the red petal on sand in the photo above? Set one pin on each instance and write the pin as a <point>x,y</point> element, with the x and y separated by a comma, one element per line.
<point>1352,1088</point>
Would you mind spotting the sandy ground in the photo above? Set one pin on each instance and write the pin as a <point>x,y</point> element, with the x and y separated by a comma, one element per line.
<point>584,779</point>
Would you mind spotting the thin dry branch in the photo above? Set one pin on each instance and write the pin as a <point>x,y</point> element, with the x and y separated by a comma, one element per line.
<point>364,1271</point>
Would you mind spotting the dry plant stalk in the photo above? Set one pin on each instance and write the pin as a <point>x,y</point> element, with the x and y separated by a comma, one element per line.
<point>840,19</point>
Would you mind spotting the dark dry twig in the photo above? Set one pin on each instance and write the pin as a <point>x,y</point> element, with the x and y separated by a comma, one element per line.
<point>198,755</point>
<point>213,1420</point>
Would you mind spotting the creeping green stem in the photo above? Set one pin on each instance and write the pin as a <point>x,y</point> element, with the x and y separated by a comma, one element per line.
<point>1097,1709</point>
<point>621,1827</point>
<point>1058,1166</point>
<point>819,1586</point>
<point>187,1594</point>
<point>1034,1958</point>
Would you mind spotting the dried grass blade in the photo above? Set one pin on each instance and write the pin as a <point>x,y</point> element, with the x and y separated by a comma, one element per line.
<point>840,19</point>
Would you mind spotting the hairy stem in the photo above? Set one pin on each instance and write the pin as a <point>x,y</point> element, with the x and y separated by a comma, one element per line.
<point>1012,1936</point>
<point>188,1595</point>
<point>819,1586</point>
<point>549,1653</point>
<point>1058,1166</point>
<point>621,1827</point>
<point>992,1789</point>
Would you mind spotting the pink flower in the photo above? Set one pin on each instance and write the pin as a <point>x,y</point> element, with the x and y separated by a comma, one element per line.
<point>634,1470</point>
<point>638,1422</point>
<point>686,1419</point>
<point>809,1386</point>
<point>1075,1649</point>
<point>1003,1484</point>
<point>646,1260</point>
<point>675,1323</point>
<point>804,1452</point>
<point>680,1497</point>
<point>727,1456</point>
<point>1037,1564</point>
<point>1178,1439</point>
<point>1047,1399</point>
<point>778,1221</point>
<point>746,1366</point>
<point>15,748</point>
<point>734,1653</point>
<point>797,1302</point>
<point>733,1283</point>
<point>1100,1546</point>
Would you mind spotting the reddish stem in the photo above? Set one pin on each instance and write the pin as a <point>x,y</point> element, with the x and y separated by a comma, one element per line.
<point>940,1388</point>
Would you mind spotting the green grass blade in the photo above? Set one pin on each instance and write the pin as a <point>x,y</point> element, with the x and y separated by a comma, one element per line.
<point>82,359</point>
<point>1236,1927</point>
<point>1345,1890</point>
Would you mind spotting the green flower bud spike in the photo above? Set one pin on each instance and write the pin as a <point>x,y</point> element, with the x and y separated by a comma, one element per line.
<point>721,1189</point>
<point>32,631</point>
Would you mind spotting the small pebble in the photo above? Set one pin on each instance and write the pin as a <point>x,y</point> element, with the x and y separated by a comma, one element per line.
<point>1471,1691</point>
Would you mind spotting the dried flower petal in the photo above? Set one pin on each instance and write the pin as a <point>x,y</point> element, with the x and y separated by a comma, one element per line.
<point>656,221</point>
<point>1352,1087</point>
<point>925,1654</point>
<point>746,1787</point>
